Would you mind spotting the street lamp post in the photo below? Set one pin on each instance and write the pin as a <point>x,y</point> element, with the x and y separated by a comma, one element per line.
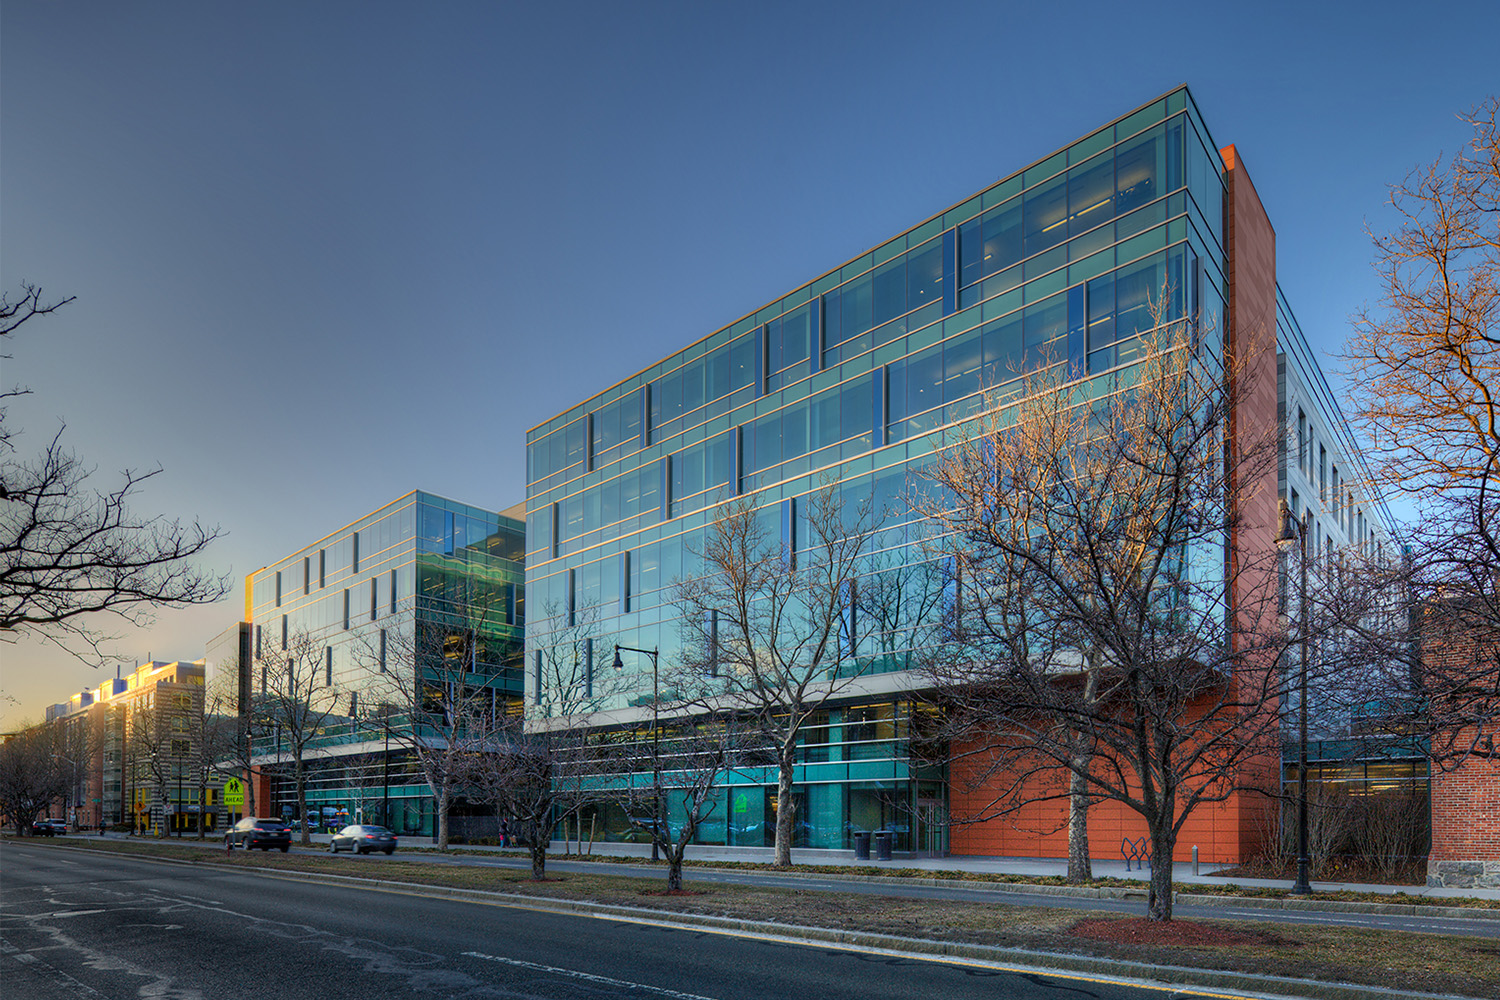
<point>385,780</point>
<point>385,770</point>
<point>1294,531</point>
<point>655,743</point>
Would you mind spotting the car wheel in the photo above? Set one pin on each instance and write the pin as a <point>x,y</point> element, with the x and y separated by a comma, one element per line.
<point>389,851</point>
<point>333,848</point>
<point>284,849</point>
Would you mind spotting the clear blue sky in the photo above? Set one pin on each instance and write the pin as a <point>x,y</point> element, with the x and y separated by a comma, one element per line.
<point>328,253</point>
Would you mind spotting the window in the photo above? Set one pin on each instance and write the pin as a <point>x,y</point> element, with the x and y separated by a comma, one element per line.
<point>393,591</point>
<point>283,631</point>
<point>353,704</point>
<point>328,666</point>
<point>322,568</point>
<point>278,588</point>
<point>374,597</point>
<point>354,554</point>
<point>306,575</point>
<point>346,607</point>
<point>382,651</point>
<point>1322,474</point>
<point>1302,449</point>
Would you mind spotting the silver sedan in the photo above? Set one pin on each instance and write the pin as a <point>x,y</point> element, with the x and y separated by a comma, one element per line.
<point>362,838</point>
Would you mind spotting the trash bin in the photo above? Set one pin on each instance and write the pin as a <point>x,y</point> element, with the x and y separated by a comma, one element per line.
<point>862,846</point>
<point>882,845</point>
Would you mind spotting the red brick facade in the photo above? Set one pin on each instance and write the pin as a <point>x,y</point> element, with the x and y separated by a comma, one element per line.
<point>1466,797</point>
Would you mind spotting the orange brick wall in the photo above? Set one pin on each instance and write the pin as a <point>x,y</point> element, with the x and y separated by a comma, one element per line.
<point>1226,832</point>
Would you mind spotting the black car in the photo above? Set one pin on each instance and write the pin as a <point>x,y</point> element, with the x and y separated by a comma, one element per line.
<point>259,832</point>
<point>46,827</point>
<point>362,838</point>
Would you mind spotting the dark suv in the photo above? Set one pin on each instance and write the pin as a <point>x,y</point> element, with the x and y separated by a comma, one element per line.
<point>46,827</point>
<point>258,832</point>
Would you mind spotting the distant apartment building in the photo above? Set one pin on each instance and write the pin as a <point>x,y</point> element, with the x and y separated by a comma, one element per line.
<point>135,749</point>
<point>368,596</point>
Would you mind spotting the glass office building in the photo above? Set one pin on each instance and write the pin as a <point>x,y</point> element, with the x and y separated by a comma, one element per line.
<point>413,568</point>
<point>857,376</point>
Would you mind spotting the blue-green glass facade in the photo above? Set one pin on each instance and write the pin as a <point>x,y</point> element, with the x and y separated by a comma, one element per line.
<point>366,592</point>
<point>860,376</point>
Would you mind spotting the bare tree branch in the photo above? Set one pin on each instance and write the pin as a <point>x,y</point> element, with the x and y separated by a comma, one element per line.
<point>70,553</point>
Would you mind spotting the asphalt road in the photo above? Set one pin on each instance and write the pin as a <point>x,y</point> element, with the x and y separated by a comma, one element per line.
<point>83,925</point>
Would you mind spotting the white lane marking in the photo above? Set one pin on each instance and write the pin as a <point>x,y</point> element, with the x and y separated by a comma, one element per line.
<point>73,913</point>
<point>589,977</point>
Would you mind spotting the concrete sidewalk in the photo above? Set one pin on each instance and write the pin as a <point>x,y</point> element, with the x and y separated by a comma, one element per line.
<point>1182,872</point>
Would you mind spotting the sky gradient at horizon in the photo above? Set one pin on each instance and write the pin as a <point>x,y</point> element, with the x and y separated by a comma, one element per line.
<point>329,253</point>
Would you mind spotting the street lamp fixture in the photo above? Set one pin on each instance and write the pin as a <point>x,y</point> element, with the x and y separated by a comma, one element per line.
<point>655,742</point>
<point>1294,532</point>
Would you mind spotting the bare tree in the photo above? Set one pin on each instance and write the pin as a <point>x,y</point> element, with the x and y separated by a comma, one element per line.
<point>771,634</point>
<point>535,779</point>
<point>689,757</point>
<point>1428,363</point>
<point>1095,629</point>
<point>70,553</point>
<point>540,776</point>
<point>220,745</point>
<point>1427,391</point>
<point>434,677</point>
<point>33,773</point>
<point>296,701</point>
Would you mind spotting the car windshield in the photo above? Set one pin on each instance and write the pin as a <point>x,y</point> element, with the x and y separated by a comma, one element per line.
<point>375,829</point>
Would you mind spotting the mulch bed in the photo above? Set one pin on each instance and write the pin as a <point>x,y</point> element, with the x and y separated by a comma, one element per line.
<point>1171,933</point>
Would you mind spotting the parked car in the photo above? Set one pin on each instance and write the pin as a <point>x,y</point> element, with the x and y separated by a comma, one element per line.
<point>46,827</point>
<point>259,832</point>
<point>363,838</point>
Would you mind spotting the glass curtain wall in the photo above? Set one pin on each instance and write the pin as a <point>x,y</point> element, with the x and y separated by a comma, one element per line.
<point>863,376</point>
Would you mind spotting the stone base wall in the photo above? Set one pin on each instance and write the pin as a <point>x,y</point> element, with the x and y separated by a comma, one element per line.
<point>1464,874</point>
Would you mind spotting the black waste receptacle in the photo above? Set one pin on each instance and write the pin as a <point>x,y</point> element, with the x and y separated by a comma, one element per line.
<point>862,846</point>
<point>882,845</point>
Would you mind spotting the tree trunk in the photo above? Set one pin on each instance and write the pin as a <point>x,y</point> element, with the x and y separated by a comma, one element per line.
<point>538,859</point>
<point>674,871</point>
<point>1079,867</point>
<point>442,819</point>
<point>1159,897</point>
<point>784,817</point>
<point>306,835</point>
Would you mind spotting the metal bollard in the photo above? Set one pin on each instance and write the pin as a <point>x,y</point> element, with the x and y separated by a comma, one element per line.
<point>1195,859</point>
